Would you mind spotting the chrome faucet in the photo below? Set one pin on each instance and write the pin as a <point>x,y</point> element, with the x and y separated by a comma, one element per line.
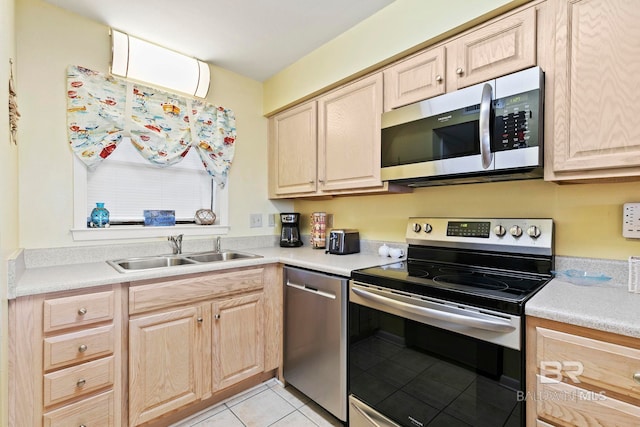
<point>176,243</point>
<point>218,248</point>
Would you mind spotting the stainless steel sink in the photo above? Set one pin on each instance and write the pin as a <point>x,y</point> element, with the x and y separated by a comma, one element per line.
<point>162,261</point>
<point>219,256</point>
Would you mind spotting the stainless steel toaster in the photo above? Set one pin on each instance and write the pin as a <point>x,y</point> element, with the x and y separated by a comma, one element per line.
<point>343,241</point>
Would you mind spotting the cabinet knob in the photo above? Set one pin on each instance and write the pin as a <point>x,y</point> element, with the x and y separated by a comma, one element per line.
<point>82,425</point>
<point>81,383</point>
<point>636,377</point>
<point>459,71</point>
<point>82,348</point>
<point>200,319</point>
<point>217,316</point>
<point>82,311</point>
<point>438,78</point>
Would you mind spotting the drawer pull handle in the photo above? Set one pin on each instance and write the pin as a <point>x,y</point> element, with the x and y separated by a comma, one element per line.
<point>82,311</point>
<point>82,348</point>
<point>636,377</point>
<point>81,383</point>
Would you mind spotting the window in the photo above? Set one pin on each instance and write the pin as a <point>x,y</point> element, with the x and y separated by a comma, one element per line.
<point>129,184</point>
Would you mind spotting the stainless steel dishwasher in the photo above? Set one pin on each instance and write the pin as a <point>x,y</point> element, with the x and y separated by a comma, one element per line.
<point>315,337</point>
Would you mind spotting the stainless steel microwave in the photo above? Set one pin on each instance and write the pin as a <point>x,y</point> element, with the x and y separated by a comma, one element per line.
<point>486,132</point>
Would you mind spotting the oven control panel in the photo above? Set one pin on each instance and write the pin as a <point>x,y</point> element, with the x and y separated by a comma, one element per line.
<point>516,235</point>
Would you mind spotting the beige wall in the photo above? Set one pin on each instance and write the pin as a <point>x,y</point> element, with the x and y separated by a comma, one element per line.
<point>398,27</point>
<point>587,217</point>
<point>8,191</point>
<point>48,40</point>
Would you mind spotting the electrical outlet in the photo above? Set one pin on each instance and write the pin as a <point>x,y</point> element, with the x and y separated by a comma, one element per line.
<point>255,220</point>
<point>631,220</point>
<point>272,219</point>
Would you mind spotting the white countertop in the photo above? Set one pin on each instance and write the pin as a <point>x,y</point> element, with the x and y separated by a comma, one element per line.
<point>76,276</point>
<point>609,308</point>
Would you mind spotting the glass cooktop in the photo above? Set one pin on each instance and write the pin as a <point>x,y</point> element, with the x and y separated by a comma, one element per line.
<point>494,289</point>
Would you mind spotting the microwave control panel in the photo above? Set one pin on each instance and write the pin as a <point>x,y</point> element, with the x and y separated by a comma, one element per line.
<point>517,121</point>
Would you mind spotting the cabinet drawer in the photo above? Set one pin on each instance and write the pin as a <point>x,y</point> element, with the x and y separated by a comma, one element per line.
<point>565,404</point>
<point>78,310</point>
<point>78,380</point>
<point>605,366</point>
<point>67,349</point>
<point>96,411</point>
<point>160,294</point>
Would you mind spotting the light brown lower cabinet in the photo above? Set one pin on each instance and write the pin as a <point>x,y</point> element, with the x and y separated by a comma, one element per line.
<point>144,353</point>
<point>581,377</point>
<point>193,337</point>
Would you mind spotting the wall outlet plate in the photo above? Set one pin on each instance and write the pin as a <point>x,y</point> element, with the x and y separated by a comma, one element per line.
<point>631,220</point>
<point>255,220</point>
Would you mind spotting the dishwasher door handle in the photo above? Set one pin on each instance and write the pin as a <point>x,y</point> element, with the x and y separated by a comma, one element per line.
<point>311,290</point>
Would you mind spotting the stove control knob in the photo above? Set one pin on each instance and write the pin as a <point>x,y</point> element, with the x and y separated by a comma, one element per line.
<point>499,230</point>
<point>416,227</point>
<point>534,232</point>
<point>427,228</point>
<point>515,231</point>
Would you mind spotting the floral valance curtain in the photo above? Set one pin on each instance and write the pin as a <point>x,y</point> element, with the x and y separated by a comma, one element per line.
<point>162,126</point>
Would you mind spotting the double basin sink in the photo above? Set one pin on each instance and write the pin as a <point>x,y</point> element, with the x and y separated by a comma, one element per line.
<point>160,261</point>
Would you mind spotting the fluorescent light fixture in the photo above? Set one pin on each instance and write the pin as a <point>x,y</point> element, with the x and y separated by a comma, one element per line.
<point>143,61</point>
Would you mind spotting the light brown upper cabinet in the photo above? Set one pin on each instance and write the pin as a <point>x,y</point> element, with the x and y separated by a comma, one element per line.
<point>292,151</point>
<point>502,47</point>
<point>417,78</point>
<point>330,145</point>
<point>349,136</point>
<point>597,81</point>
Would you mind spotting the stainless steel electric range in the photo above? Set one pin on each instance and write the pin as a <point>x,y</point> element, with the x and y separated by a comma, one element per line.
<point>438,339</point>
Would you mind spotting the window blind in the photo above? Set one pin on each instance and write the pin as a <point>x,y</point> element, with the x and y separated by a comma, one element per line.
<point>128,185</point>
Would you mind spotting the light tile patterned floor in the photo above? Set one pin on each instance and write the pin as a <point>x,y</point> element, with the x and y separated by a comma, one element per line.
<point>267,405</point>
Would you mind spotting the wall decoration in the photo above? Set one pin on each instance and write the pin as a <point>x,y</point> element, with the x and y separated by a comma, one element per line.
<point>14,115</point>
<point>162,126</point>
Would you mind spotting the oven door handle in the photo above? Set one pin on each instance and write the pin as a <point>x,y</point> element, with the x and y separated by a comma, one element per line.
<point>486,324</point>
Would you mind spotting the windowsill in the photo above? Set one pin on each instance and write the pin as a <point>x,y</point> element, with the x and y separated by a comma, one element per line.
<point>141,232</point>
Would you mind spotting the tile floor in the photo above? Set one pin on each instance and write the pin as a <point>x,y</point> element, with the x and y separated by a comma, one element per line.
<point>268,404</point>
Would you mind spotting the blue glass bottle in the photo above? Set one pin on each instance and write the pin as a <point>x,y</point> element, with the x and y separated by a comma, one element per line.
<point>99,216</point>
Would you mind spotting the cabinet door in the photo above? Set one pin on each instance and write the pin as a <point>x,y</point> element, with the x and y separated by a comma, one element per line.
<point>415,79</point>
<point>597,79</point>
<point>500,48</point>
<point>165,362</point>
<point>349,136</point>
<point>293,151</point>
<point>238,339</point>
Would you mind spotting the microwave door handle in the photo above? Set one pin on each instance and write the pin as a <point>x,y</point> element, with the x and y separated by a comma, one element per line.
<point>485,128</point>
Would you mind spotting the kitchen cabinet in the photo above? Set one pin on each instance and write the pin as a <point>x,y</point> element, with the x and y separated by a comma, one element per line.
<point>192,337</point>
<point>330,145</point>
<point>65,359</point>
<point>167,362</point>
<point>238,339</point>
<point>581,377</point>
<point>502,46</point>
<point>292,150</point>
<point>596,79</point>
<point>415,79</point>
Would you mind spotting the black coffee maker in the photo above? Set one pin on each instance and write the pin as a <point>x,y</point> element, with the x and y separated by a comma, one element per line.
<point>290,235</point>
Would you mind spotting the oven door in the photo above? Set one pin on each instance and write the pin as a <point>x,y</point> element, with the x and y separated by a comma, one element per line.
<point>416,361</point>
